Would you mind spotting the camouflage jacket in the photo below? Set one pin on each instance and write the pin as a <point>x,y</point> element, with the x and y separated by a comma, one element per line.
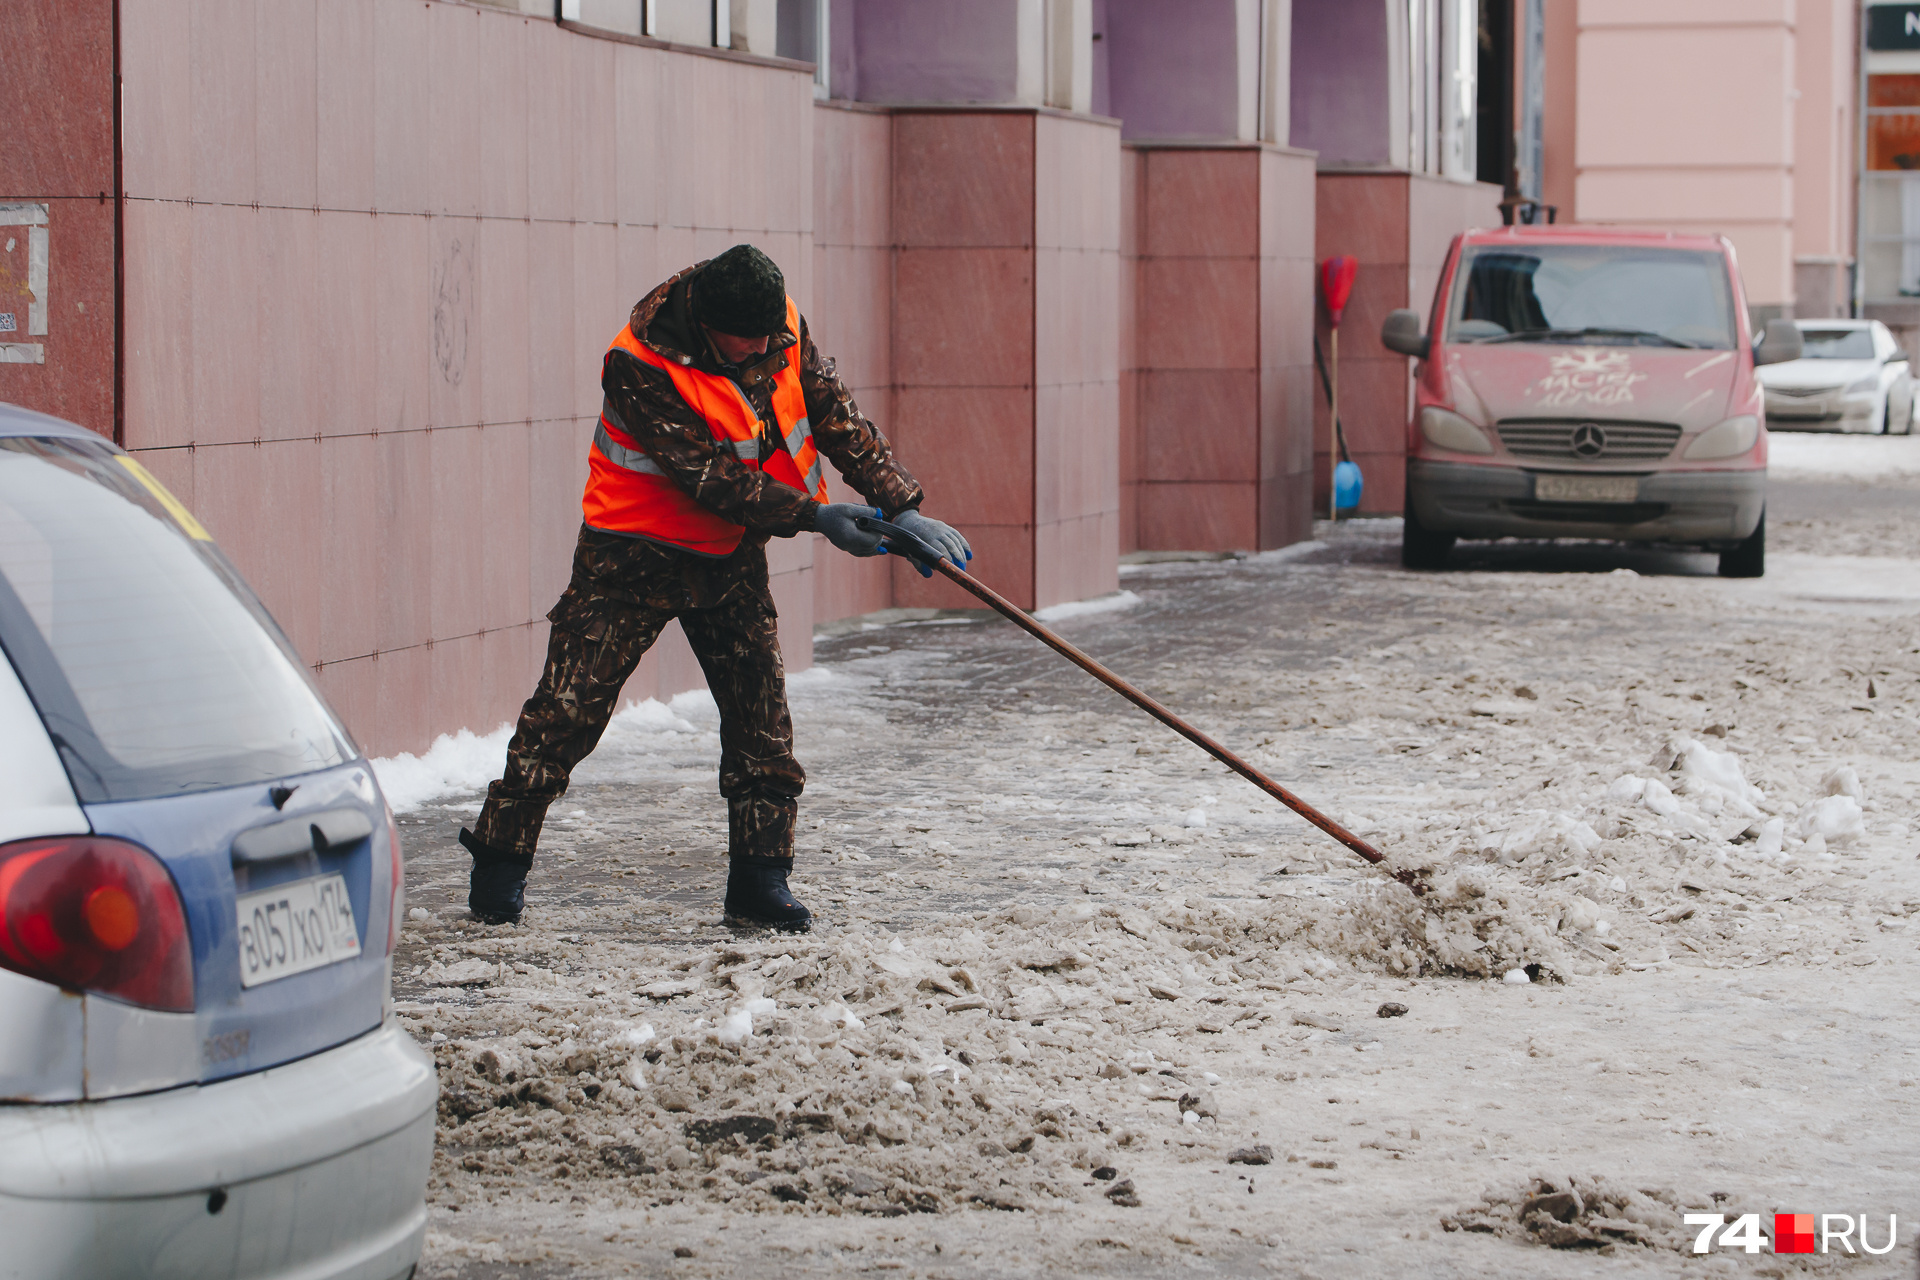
<point>680,442</point>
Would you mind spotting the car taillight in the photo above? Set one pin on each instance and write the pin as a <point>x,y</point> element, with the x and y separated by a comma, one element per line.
<point>399,883</point>
<point>95,915</point>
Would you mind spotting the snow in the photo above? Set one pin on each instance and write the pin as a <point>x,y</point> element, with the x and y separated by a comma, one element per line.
<point>463,762</point>
<point>1832,819</point>
<point>1813,455</point>
<point>1085,608</point>
<point>1685,849</point>
<point>456,763</point>
<point>1849,584</point>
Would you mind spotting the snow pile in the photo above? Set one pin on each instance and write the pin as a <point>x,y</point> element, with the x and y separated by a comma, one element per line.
<point>1580,1213</point>
<point>787,1065</point>
<point>456,764</point>
<point>464,763</point>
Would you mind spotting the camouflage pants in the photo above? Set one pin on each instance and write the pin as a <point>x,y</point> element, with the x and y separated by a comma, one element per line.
<point>623,594</point>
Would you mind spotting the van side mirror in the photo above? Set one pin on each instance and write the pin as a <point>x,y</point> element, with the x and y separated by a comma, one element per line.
<point>1401,333</point>
<point>1780,344</point>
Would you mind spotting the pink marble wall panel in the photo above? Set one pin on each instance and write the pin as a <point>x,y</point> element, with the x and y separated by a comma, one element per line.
<point>403,322</point>
<point>1198,342</point>
<point>157,135</point>
<point>223,105</point>
<point>158,263</point>
<point>963,179</point>
<point>286,103</point>
<point>346,394</point>
<point>850,316</point>
<point>402,104</point>
<point>1287,387</point>
<point>458,108</point>
<point>223,306</point>
<point>285,315</point>
<point>344,92</point>
<point>1132,165</point>
<point>1399,226</point>
<point>262,502</point>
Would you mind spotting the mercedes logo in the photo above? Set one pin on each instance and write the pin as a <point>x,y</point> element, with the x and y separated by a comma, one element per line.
<point>1589,441</point>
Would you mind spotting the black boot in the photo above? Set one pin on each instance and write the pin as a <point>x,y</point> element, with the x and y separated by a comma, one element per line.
<point>757,894</point>
<point>497,890</point>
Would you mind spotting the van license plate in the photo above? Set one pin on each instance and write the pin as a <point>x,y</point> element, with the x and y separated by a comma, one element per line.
<point>295,927</point>
<point>1586,488</point>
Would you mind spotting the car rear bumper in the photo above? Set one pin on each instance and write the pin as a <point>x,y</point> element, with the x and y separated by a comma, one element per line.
<point>1707,508</point>
<point>322,1165</point>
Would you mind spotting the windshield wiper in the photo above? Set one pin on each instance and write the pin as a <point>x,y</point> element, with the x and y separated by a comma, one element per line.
<point>1553,335</point>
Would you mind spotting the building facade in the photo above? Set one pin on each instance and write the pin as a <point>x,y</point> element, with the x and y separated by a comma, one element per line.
<point>1733,117</point>
<point>342,273</point>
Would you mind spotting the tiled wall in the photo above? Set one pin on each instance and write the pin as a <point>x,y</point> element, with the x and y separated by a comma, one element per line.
<point>1221,355</point>
<point>851,316</point>
<point>1399,226</point>
<point>374,254</point>
<point>1006,344</point>
<point>1076,359</point>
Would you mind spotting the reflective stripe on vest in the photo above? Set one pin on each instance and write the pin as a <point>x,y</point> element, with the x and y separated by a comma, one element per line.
<point>628,492</point>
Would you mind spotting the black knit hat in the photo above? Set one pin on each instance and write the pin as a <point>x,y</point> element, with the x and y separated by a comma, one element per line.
<point>741,293</point>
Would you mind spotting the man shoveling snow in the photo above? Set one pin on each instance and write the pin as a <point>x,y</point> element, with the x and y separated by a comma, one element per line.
<point>718,409</point>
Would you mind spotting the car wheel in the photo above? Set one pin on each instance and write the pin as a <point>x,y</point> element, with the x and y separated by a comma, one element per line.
<point>1886,416</point>
<point>1749,559</point>
<point>1421,547</point>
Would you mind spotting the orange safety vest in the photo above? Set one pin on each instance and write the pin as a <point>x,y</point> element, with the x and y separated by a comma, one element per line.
<point>627,492</point>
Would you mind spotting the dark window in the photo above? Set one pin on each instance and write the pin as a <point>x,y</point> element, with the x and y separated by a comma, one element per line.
<point>1836,344</point>
<point>1593,293</point>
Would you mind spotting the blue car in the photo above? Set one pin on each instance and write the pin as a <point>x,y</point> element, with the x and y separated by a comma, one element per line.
<point>200,891</point>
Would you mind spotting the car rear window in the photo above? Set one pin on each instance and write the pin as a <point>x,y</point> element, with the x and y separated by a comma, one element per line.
<point>1836,344</point>
<point>153,665</point>
<point>1623,294</point>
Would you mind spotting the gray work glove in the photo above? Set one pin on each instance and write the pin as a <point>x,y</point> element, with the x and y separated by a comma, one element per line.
<point>836,520</point>
<point>943,538</point>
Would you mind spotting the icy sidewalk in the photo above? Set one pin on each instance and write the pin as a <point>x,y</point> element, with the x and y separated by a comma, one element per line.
<point>1067,968</point>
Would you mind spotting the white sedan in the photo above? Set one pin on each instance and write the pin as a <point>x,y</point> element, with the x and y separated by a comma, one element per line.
<point>1852,377</point>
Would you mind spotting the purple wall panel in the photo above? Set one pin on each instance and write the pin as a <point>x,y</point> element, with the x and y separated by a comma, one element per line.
<point>1172,70</point>
<point>1338,100</point>
<point>958,51</point>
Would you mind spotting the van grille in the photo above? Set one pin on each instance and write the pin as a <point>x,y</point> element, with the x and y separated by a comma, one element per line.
<point>1588,440</point>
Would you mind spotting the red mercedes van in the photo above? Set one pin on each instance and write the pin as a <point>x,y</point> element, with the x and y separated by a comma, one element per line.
<point>1588,382</point>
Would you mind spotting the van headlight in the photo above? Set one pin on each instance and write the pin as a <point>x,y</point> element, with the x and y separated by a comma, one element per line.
<point>1445,429</point>
<point>1727,439</point>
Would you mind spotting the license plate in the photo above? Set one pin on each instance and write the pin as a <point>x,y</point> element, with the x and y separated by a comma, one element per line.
<point>295,927</point>
<point>1586,488</point>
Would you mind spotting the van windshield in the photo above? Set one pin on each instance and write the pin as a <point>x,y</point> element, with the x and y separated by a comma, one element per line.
<point>1605,295</point>
<point>154,668</point>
